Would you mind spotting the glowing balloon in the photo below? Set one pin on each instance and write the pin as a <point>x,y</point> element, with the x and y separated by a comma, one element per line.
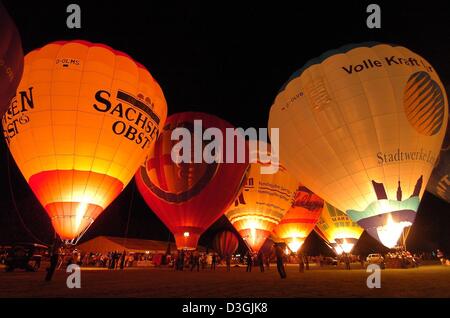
<point>11,59</point>
<point>188,197</point>
<point>300,220</point>
<point>83,120</point>
<point>335,227</point>
<point>225,243</point>
<point>262,203</point>
<point>362,127</point>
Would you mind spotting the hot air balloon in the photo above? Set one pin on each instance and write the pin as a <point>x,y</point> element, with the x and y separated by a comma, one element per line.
<point>83,121</point>
<point>189,197</point>
<point>300,219</point>
<point>439,183</point>
<point>225,243</point>
<point>262,203</point>
<point>11,59</point>
<point>337,230</point>
<point>362,127</point>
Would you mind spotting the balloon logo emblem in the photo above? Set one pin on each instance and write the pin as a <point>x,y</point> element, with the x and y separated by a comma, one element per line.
<point>424,104</point>
<point>195,175</point>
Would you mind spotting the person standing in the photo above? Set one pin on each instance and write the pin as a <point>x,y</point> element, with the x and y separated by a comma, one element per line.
<point>176,261</point>
<point>347,261</point>
<point>197,260</point>
<point>280,264</point>
<point>306,262</point>
<point>260,258</point>
<point>301,264</point>
<point>228,261</point>
<point>361,260</point>
<point>213,262</point>
<point>54,258</point>
<point>122,260</point>
<point>192,261</point>
<point>249,262</point>
<point>182,256</point>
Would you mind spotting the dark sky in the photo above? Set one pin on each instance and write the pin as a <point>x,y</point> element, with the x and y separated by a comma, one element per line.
<point>229,60</point>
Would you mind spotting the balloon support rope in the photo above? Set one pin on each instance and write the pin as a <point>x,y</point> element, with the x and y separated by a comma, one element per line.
<point>129,213</point>
<point>76,239</point>
<point>16,209</point>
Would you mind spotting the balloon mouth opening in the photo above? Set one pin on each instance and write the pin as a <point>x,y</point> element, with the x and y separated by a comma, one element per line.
<point>295,244</point>
<point>344,245</point>
<point>71,220</point>
<point>187,239</point>
<point>390,232</point>
<point>254,238</point>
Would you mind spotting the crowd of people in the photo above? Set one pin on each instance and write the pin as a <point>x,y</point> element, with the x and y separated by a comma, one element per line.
<point>110,260</point>
<point>196,261</point>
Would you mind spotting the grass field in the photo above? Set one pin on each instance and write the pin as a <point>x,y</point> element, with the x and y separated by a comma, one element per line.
<point>425,281</point>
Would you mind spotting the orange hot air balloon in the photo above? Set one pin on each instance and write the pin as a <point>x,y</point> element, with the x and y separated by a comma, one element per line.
<point>225,243</point>
<point>189,197</point>
<point>300,220</point>
<point>262,203</point>
<point>11,59</point>
<point>83,120</point>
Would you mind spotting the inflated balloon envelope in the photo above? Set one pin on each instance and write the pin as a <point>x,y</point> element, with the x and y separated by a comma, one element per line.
<point>225,243</point>
<point>83,120</point>
<point>189,197</point>
<point>11,59</point>
<point>262,203</point>
<point>362,127</point>
<point>300,219</point>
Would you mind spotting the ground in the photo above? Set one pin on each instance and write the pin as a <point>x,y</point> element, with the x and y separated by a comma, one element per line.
<point>425,281</point>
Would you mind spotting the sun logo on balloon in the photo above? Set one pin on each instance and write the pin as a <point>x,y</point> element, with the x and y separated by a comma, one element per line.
<point>424,103</point>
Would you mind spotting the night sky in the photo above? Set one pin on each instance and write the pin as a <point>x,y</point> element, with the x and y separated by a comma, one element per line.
<point>228,60</point>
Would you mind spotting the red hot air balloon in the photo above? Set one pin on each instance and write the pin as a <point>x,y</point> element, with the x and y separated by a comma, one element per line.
<point>11,59</point>
<point>225,243</point>
<point>189,197</point>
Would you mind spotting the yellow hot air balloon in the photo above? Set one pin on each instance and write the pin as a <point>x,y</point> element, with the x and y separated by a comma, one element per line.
<point>335,227</point>
<point>83,121</point>
<point>362,127</point>
<point>261,204</point>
